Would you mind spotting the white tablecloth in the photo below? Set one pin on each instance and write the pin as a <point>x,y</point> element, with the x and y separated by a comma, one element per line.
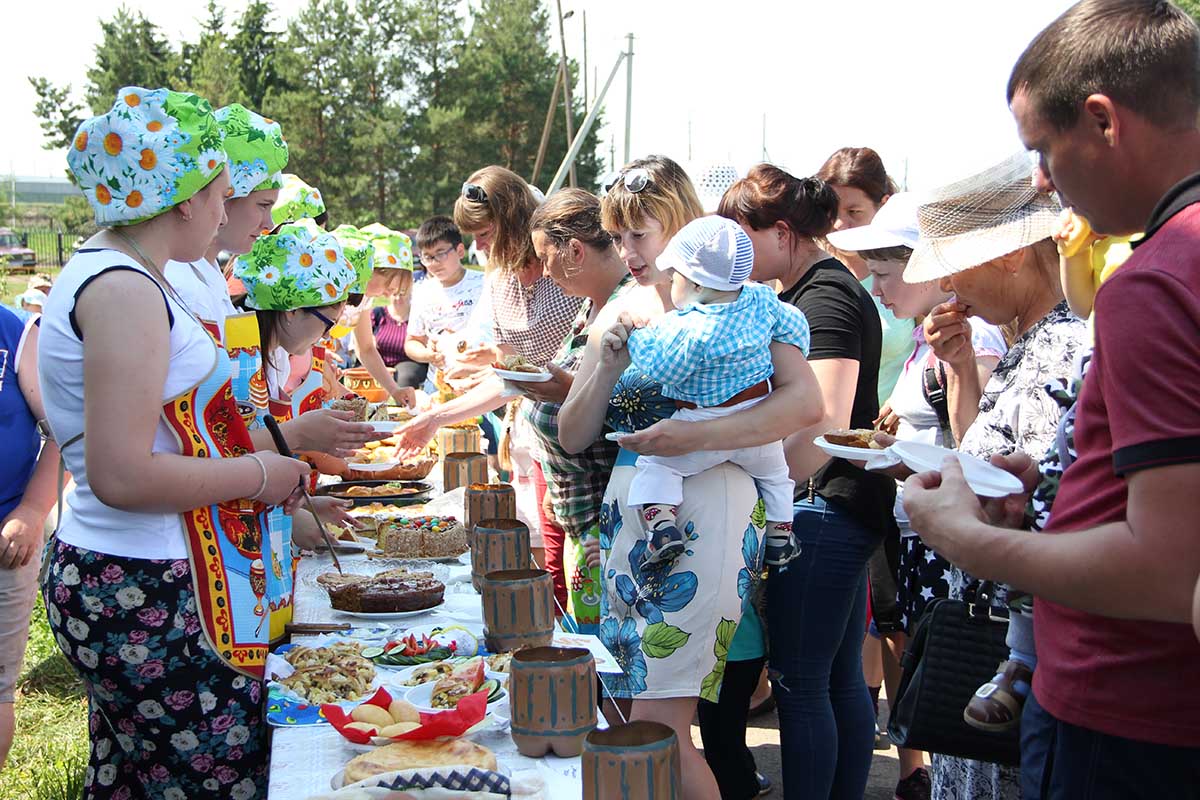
<point>305,759</point>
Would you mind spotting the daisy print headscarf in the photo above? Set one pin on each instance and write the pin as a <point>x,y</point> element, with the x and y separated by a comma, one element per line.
<point>154,149</point>
<point>295,268</point>
<point>297,200</point>
<point>257,151</point>
<point>360,251</point>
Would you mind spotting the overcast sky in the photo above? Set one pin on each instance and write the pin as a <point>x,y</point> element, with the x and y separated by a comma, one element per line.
<point>922,81</point>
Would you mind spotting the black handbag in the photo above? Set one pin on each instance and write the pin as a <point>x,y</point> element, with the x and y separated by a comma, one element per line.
<point>955,649</point>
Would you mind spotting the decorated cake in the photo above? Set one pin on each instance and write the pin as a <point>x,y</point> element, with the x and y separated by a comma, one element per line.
<point>391,591</point>
<point>422,537</point>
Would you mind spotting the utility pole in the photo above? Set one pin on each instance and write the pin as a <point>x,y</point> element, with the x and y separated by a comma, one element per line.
<point>689,138</point>
<point>541,153</point>
<point>585,62</point>
<point>568,108</point>
<point>628,95</point>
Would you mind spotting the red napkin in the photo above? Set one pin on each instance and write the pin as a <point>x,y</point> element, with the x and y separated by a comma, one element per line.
<point>434,724</point>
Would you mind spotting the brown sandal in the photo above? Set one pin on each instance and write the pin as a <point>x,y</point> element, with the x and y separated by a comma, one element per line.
<point>996,706</point>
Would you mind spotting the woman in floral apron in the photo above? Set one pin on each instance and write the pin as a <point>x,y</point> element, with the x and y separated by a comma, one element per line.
<point>152,591</point>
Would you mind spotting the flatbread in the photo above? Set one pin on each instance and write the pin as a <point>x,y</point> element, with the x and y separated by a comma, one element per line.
<point>418,755</point>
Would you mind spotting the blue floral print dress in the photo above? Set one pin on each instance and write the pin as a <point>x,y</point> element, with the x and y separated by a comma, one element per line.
<point>671,630</point>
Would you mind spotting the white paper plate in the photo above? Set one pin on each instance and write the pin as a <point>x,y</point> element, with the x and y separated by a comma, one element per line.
<point>390,614</point>
<point>983,478</point>
<point>379,467</point>
<point>842,451</point>
<point>523,377</point>
<point>421,696</point>
<point>341,546</point>
<point>387,426</point>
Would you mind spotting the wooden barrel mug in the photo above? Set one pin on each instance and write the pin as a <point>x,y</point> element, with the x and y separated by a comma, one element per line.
<point>463,469</point>
<point>637,761</point>
<point>467,439</point>
<point>552,699</point>
<point>498,544</point>
<point>518,609</point>
<point>488,501</point>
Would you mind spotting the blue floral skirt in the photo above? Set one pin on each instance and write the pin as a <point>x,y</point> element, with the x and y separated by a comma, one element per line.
<point>167,719</point>
<point>671,632</point>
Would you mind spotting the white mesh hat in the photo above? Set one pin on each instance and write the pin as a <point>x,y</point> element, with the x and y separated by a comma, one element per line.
<point>894,225</point>
<point>980,218</point>
<point>711,182</point>
<point>712,251</point>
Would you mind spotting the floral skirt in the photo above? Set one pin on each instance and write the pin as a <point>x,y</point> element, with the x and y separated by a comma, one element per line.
<point>671,632</point>
<point>167,719</point>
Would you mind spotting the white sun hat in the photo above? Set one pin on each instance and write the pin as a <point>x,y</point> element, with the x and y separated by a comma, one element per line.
<point>712,251</point>
<point>894,225</point>
<point>712,180</point>
<point>981,218</point>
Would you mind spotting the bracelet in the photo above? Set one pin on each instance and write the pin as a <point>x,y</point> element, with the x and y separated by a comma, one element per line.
<point>263,486</point>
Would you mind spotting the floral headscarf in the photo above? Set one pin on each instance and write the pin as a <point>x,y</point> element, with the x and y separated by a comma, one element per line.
<point>154,149</point>
<point>295,269</point>
<point>360,251</point>
<point>257,151</point>
<point>393,249</point>
<point>297,200</point>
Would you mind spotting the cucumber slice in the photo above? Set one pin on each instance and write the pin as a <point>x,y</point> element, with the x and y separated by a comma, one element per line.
<point>372,652</point>
<point>493,689</point>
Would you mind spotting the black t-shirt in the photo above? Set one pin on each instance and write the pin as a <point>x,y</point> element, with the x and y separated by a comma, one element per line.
<point>843,323</point>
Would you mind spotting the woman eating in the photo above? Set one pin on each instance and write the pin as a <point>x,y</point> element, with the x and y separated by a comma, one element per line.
<point>156,576</point>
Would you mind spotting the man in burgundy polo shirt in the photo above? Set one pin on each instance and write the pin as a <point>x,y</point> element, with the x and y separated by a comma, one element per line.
<point>1107,97</point>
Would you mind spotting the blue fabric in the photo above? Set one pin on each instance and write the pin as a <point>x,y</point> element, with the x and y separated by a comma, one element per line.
<point>706,354</point>
<point>489,423</point>
<point>1061,761</point>
<point>748,641</point>
<point>816,614</point>
<point>19,440</point>
<point>637,403</point>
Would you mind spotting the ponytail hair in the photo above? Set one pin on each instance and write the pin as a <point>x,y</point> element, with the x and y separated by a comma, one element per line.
<point>808,206</point>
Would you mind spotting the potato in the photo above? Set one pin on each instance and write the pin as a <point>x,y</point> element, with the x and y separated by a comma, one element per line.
<point>372,714</point>
<point>399,728</point>
<point>403,711</point>
<point>365,727</point>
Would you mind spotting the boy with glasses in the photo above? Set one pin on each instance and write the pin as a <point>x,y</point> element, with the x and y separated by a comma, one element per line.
<point>442,305</point>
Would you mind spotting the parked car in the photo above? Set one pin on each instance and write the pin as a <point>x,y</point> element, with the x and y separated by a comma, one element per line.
<point>14,253</point>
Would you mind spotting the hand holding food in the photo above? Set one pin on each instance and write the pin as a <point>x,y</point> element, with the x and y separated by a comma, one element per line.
<point>337,432</point>
<point>949,335</point>
<point>863,438</point>
<point>283,477</point>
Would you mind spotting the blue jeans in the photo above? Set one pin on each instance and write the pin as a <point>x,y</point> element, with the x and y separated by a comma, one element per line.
<point>1061,761</point>
<point>817,612</point>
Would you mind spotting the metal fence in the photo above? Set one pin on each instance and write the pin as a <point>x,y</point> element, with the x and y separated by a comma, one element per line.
<point>53,248</point>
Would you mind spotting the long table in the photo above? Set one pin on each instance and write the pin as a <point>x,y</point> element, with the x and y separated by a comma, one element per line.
<point>305,759</point>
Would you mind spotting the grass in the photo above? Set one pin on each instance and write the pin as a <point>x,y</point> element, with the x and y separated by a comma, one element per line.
<point>49,755</point>
<point>14,284</point>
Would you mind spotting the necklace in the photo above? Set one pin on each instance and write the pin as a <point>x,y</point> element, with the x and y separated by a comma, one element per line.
<point>156,274</point>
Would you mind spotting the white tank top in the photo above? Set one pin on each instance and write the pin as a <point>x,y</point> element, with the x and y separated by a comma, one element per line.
<point>87,522</point>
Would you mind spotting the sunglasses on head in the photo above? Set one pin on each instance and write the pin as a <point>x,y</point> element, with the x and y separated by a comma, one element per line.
<point>329,323</point>
<point>634,180</point>
<point>474,193</point>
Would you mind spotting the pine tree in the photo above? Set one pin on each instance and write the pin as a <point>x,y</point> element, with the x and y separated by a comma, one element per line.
<point>132,52</point>
<point>253,47</point>
<point>207,67</point>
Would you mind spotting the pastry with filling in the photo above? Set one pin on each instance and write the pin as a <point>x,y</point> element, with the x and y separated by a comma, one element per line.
<point>419,755</point>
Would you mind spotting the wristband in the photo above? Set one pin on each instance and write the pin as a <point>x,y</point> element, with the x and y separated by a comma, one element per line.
<point>263,486</point>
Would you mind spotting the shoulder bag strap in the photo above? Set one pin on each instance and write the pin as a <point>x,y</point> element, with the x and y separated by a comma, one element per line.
<point>933,385</point>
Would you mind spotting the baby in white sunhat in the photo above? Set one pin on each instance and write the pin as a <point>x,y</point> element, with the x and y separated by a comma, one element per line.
<point>712,357</point>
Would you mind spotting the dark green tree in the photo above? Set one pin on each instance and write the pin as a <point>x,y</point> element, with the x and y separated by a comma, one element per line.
<point>207,67</point>
<point>253,47</point>
<point>58,112</point>
<point>132,52</point>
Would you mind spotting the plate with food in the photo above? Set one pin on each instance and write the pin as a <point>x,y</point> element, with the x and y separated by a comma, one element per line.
<point>458,765</point>
<point>366,492</point>
<point>857,444</point>
<point>443,647</point>
<point>985,479</point>
<point>303,677</point>
<point>344,539</point>
<point>517,368</point>
<point>391,594</point>
<point>358,406</point>
<point>464,679</point>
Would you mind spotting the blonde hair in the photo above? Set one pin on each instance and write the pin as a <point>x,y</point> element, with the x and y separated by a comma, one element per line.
<point>572,214</point>
<point>669,198</point>
<point>510,205</point>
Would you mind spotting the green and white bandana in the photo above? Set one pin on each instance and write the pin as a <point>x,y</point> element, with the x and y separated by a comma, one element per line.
<point>360,251</point>
<point>154,149</point>
<point>295,269</point>
<point>257,151</point>
<point>297,200</point>
<point>393,249</point>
